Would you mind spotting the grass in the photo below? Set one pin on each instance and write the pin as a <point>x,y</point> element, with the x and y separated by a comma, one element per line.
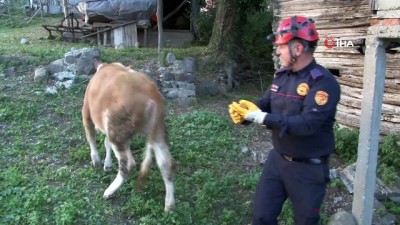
<point>46,175</point>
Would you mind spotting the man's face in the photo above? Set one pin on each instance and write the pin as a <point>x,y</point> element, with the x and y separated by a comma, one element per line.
<point>282,51</point>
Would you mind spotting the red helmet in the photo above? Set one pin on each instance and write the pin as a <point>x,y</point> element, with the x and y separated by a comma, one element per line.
<point>295,27</point>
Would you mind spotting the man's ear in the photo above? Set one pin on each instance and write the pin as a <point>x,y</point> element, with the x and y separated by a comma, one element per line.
<point>299,49</point>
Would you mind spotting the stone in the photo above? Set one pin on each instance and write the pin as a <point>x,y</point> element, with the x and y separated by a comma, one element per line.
<point>389,219</point>
<point>56,66</point>
<point>70,59</point>
<point>51,90</point>
<point>10,72</point>
<point>189,65</point>
<point>394,199</point>
<point>244,149</point>
<point>85,65</point>
<point>172,94</point>
<point>208,87</point>
<point>40,75</point>
<point>342,218</point>
<point>382,191</point>
<point>180,77</point>
<point>170,58</point>
<point>62,76</point>
<point>168,76</point>
<point>24,41</point>
<point>84,52</point>
<point>64,84</point>
<point>190,78</point>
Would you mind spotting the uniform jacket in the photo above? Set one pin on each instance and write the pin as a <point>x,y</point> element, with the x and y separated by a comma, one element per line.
<point>301,109</point>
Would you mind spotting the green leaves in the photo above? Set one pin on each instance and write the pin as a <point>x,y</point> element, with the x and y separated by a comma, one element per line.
<point>346,144</point>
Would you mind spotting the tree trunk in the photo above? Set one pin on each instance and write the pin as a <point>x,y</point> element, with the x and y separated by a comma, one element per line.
<point>223,38</point>
<point>223,34</point>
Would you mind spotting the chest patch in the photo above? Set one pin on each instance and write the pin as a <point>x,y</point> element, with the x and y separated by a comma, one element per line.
<point>274,87</point>
<point>302,89</point>
<point>321,97</point>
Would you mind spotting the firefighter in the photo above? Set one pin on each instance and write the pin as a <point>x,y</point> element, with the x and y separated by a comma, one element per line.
<point>299,108</point>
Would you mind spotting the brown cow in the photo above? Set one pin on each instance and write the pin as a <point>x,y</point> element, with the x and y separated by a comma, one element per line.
<point>121,102</point>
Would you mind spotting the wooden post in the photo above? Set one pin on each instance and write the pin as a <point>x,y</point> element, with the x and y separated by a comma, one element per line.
<point>66,13</point>
<point>145,36</point>
<point>98,29</point>
<point>160,26</point>
<point>41,9</point>
<point>9,13</point>
<point>368,143</point>
<point>195,10</point>
<point>105,37</point>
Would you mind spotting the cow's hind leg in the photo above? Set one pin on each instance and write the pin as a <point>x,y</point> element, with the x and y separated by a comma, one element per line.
<point>145,166</point>
<point>165,163</point>
<point>108,159</point>
<point>126,163</point>
<point>91,137</point>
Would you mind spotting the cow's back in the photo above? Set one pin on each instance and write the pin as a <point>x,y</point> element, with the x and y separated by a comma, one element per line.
<point>116,89</point>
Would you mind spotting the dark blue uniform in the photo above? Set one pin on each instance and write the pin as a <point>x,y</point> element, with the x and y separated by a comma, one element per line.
<point>301,109</point>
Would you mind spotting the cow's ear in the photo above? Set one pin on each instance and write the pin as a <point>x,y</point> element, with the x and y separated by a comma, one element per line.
<point>96,64</point>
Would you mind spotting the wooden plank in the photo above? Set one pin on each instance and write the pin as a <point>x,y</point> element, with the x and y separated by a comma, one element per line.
<point>353,121</point>
<point>350,102</point>
<point>392,75</point>
<point>126,36</point>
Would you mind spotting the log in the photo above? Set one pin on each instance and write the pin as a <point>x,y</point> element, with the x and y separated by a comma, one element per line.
<point>354,122</point>
<point>389,117</point>
<point>349,102</point>
<point>351,81</point>
<point>393,75</point>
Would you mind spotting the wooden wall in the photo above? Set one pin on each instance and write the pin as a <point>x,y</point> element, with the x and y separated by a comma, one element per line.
<point>348,20</point>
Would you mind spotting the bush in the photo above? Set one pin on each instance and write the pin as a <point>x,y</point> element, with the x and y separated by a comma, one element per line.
<point>203,24</point>
<point>346,144</point>
<point>388,156</point>
<point>256,27</point>
<point>390,151</point>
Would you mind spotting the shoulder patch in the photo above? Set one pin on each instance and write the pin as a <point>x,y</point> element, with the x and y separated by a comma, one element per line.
<point>315,73</point>
<point>321,97</point>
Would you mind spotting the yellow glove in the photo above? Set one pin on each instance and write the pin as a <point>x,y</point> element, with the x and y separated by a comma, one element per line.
<point>243,107</point>
<point>248,105</point>
<point>249,111</point>
<point>235,116</point>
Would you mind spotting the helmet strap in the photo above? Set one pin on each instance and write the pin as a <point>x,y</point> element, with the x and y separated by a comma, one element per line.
<point>293,27</point>
<point>293,58</point>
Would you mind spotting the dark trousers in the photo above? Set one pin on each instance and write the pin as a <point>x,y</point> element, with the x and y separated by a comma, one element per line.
<point>304,184</point>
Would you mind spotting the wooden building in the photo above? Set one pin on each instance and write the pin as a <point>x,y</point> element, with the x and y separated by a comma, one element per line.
<point>343,25</point>
<point>141,28</point>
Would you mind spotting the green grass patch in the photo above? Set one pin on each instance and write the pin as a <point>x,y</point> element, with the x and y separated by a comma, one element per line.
<point>47,178</point>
